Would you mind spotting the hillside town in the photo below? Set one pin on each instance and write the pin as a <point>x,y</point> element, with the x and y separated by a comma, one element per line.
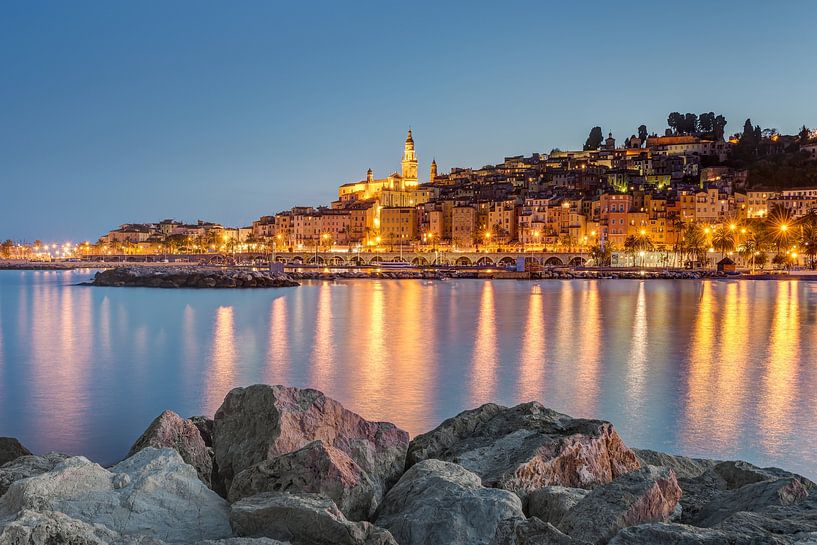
<point>691,190</point>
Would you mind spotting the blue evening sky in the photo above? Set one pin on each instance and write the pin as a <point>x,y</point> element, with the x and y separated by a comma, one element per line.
<point>114,112</point>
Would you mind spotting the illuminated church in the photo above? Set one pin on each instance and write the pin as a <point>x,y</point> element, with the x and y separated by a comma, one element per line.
<point>394,190</point>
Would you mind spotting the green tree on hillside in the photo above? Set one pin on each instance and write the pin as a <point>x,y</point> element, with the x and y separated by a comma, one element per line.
<point>594,140</point>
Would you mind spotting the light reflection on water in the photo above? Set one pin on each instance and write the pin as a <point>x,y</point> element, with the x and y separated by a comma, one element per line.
<point>713,368</point>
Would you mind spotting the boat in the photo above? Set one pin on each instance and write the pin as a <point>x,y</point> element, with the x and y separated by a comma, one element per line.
<point>395,265</point>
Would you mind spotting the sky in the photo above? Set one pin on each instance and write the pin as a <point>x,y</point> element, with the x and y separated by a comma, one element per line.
<point>119,112</point>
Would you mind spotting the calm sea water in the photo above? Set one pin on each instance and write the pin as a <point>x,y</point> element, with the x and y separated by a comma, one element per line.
<point>722,369</point>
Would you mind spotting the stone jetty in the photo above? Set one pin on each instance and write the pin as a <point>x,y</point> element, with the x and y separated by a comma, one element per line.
<point>190,277</point>
<point>279,465</point>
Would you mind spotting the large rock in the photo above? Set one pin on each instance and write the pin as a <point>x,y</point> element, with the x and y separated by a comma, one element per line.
<point>752,498</point>
<point>684,467</point>
<point>782,520</point>
<point>51,528</point>
<point>205,426</point>
<point>302,519</point>
<point>27,466</point>
<point>681,534</point>
<point>736,474</point>
<point>551,503</point>
<point>260,422</point>
<point>526,447</point>
<point>710,487</point>
<point>169,430</point>
<point>531,531</point>
<point>242,541</point>
<point>11,449</point>
<point>649,494</point>
<point>54,528</point>
<point>316,468</point>
<point>440,503</point>
<point>153,493</point>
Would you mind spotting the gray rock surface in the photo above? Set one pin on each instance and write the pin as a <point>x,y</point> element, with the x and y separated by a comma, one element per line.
<point>205,426</point>
<point>753,497</point>
<point>161,497</point>
<point>190,277</point>
<point>684,467</point>
<point>11,449</point>
<point>261,422</point>
<point>551,503</point>
<point>526,447</point>
<point>681,534</point>
<point>51,528</point>
<point>777,520</point>
<point>649,494</point>
<point>169,430</point>
<point>27,466</point>
<point>738,473</point>
<point>302,519</point>
<point>317,468</point>
<point>531,531</point>
<point>440,503</point>
<point>144,540</point>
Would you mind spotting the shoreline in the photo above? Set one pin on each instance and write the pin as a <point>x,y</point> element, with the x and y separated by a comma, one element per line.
<point>371,273</point>
<point>313,468</point>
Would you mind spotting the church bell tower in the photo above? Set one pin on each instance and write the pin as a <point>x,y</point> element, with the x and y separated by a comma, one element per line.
<point>409,163</point>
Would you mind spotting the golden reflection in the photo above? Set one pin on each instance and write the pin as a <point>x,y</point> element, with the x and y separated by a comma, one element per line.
<point>636,367</point>
<point>104,327</point>
<point>62,333</point>
<point>730,372</point>
<point>374,357</point>
<point>483,365</point>
<point>190,348</point>
<point>278,348</point>
<point>223,358</point>
<point>699,376</point>
<point>413,371</point>
<point>322,375</point>
<point>2,356</point>
<point>589,350</point>
<point>781,369</point>
<point>532,356</point>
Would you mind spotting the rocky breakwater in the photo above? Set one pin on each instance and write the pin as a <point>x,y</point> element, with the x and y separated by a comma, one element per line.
<point>280,465</point>
<point>190,277</point>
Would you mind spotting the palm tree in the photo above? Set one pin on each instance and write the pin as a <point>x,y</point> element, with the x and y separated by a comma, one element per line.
<point>602,256</point>
<point>808,237</point>
<point>694,242</point>
<point>723,240</point>
<point>639,243</point>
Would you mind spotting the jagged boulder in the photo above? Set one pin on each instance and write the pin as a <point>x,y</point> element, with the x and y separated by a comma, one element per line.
<point>551,503</point>
<point>782,520</point>
<point>11,449</point>
<point>27,466</point>
<point>153,493</point>
<point>261,422</point>
<point>49,528</point>
<point>205,426</point>
<point>169,430</point>
<point>316,468</point>
<point>751,498</point>
<point>242,541</point>
<point>531,531</point>
<point>682,534</point>
<point>440,503</point>
<point>526,447</point>
<point>649,494</point>
<point>683,466</point>
<point>302,519</point>
<point>737,474</point>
